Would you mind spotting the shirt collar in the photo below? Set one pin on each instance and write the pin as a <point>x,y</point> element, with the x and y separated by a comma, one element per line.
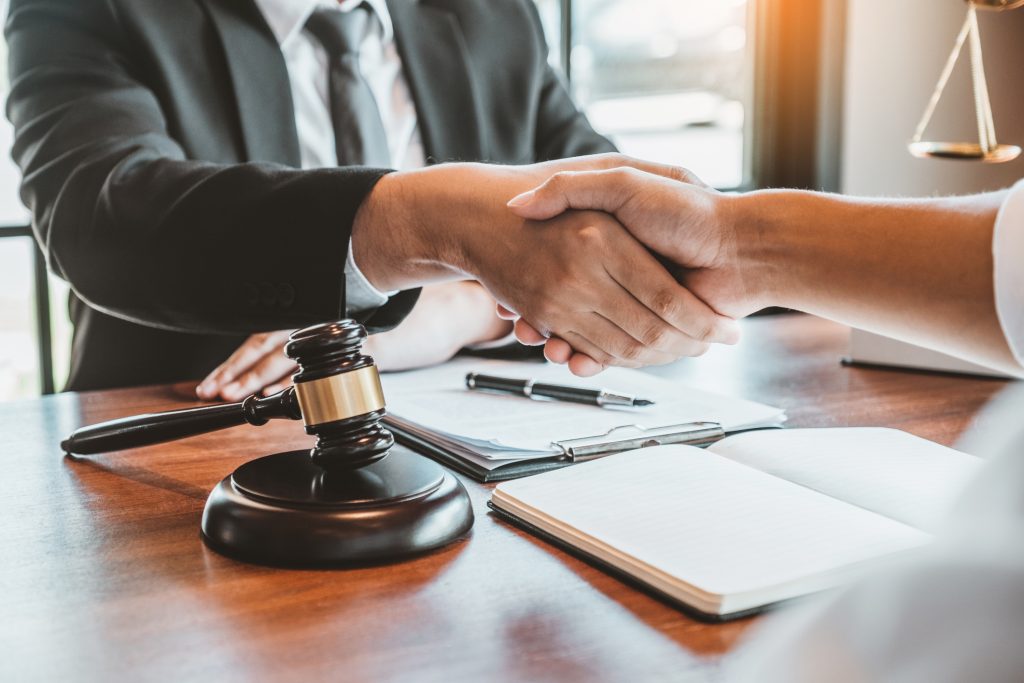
<point>287,17</point>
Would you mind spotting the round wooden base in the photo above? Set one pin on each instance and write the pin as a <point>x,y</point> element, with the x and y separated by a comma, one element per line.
<point>283,510</point>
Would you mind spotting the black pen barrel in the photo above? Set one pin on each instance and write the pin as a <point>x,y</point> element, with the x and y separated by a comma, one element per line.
<point>506,385</point>
<point>561,393</point>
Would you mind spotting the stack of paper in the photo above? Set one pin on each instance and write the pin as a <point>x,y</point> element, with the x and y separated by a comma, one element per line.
<point>488,432</point>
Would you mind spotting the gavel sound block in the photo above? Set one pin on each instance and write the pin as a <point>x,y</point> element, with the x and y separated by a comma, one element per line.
<point>354,498</point>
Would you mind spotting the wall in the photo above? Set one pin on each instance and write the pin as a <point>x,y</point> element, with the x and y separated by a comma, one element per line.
<point>895,51</point>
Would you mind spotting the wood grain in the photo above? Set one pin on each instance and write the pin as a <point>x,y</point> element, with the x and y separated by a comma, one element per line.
<point>103,575</point>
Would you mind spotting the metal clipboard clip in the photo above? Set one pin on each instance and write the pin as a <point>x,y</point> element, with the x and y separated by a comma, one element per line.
<point>636,436</point>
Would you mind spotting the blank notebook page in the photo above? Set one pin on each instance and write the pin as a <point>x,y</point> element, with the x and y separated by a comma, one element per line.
<point>888,471</point>
<point>714,524</point>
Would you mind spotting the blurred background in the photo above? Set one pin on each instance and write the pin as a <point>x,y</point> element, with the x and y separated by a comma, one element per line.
<point>820,94</point>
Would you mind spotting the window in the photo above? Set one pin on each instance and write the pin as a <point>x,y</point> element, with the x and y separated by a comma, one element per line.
<point>666,80</point>
<point>24,342</point>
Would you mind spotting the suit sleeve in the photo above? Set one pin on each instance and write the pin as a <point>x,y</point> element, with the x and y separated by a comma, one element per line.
<point>562,129</point>
<point>142,232</point>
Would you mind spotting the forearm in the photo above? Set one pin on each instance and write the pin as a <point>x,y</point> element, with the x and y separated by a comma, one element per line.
<point>436,224</point>
<point>917,270</point>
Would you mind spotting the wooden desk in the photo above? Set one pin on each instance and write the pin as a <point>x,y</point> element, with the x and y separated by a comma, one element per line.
<point>103,575</point>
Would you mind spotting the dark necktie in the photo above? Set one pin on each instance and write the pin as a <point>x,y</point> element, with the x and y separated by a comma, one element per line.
<point>359,135</point>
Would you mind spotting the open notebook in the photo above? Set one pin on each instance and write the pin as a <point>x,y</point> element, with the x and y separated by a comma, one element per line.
<point>754,519</point>
<point>493,437</point>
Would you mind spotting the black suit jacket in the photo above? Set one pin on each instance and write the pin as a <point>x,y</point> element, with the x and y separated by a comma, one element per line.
<point>160,158</point>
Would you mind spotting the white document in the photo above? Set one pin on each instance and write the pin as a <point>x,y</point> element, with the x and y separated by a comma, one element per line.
<point>499,426</point>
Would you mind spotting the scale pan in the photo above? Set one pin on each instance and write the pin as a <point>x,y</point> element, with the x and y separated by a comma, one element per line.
<point>971,151</point>
<point>996,4</point>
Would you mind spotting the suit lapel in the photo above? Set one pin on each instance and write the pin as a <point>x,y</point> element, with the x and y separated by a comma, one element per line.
<point>435,60</point>
<point>260,81</point>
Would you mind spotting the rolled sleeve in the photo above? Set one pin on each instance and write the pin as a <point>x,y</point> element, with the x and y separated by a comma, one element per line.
<point>360,294</point>
<point>1008,253</point>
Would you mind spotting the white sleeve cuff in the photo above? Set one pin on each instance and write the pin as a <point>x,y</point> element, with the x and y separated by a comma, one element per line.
<point>360,294</point>
<point>1008,258</point>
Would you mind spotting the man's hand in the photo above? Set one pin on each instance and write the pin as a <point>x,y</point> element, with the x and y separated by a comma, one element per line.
<point>684,222</point>
<point>258,365</point>
<point>580,277</point>
<point>583,278</point>
<point>446,318</point>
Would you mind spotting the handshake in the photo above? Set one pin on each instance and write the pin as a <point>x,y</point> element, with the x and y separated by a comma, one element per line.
<point>606,260</point>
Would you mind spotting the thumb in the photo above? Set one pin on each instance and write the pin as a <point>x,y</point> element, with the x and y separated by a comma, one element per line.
<point>595,190</point>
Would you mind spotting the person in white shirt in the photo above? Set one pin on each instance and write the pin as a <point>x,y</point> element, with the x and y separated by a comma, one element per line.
<point>920,270</point>
<point>947,273</point>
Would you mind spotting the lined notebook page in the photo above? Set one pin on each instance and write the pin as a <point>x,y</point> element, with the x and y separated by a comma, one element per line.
<point>888,471</point>
<point>719,527</point>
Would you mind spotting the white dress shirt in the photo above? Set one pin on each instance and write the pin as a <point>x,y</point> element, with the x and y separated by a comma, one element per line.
<point>957,614</point>
<point>1008,251</point>
<point>381,66</point>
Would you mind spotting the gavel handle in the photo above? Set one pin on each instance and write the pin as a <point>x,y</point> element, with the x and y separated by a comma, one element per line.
<point>154,428</point>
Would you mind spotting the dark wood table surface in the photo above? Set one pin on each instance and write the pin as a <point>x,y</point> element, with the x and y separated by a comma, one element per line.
<point>103,575</point>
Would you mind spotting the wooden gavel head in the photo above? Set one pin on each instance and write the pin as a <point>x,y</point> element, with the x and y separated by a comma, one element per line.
<point>339,393</point>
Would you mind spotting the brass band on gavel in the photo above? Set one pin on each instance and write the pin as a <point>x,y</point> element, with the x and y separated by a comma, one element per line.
<point>340,397</point>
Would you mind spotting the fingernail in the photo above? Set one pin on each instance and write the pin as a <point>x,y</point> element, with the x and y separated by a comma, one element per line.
<point>523,199</point>
<point>205,389</point>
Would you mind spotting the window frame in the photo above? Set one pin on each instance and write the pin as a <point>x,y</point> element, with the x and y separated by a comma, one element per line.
<point>792,140</point>
<point>41,295</point>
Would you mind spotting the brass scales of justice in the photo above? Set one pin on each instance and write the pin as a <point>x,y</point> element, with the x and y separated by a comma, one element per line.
<point>987,149</point>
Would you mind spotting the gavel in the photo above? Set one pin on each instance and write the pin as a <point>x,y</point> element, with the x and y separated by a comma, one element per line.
<point>354,498</point>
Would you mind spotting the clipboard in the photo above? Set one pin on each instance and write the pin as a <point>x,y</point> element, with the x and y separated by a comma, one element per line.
<point>571,451</point>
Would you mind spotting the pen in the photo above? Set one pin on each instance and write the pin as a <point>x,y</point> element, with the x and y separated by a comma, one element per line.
<point>532,388</point>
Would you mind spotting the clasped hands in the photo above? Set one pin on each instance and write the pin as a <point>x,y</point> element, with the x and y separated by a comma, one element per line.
<point>606,260</point>
<point>689,233</point>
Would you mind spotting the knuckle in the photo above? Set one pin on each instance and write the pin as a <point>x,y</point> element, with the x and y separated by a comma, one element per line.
<point>654,336</point>
<point>685,175</point>
<point>611,159</point>
<point>632,351</point>
<point>703,332</point>
<point>665,304</point>
<point>623,174</point>
<point>680,173</point>
<point>590,235</point>
<point>557,182</point>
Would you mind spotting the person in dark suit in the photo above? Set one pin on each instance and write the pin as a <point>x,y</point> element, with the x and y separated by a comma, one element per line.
<point>168,163</point>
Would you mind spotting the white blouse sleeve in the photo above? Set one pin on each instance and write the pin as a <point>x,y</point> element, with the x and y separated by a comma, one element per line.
<point>1008,250</point>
